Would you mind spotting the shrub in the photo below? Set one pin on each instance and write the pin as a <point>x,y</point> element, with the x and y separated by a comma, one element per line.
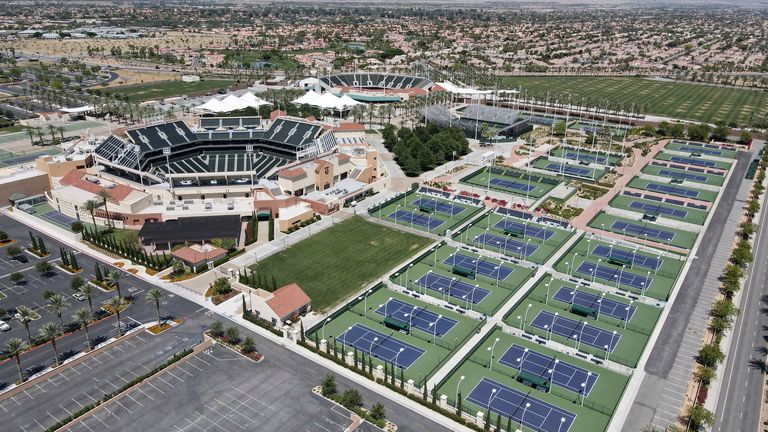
<point>13,251</point>
<point>76,227</point>
<point>351,399</point>
<point>248,345</point>
<point>233,335</point>
<point>16,277</point>
<point>221,286</point>
<point>328,385</point>
<point>216,329</point>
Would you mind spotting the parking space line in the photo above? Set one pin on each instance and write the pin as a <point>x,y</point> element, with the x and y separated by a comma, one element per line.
<point>75,370</point>
<point>75,401</point>
<point>140,338</point>
<point>123,406</point>
<point>55,420</point>
<point>13,398</point>
<point>145,393</point>
<point>129,343</point>
<point>195,425</point>
<point>40,388</point>
<point>108,354</point>
<point>245,405</point>
<point>166,382</point>
<point>38,423</point>
<point>118,375</point>
<point>27,393</point>
<point>86,426</point>
<point>137,402</point>
<point>154,387</point>
<point>96,359</point>
<point>322,427</point>
<point>119,349</point>
<point>172,374</point>
<point>198,358</point>
<point>182,369</point>
<point>4,408</point>
<point>64,376</point>
<point>251,397</point>
<point>91,397</point>
<point>68,411</point>
<point>86,365</point>
<point>102,421</point>
<point>189,362</point>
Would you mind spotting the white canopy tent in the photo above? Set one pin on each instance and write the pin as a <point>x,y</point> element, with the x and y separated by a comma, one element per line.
<point>326,101</point>
<point>232,103</point>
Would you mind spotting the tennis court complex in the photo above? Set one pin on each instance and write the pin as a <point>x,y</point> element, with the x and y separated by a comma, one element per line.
<point>573,170</point>
<point>671,189</point>
<point>694,161</point>
<point>692,147</point>
<point>533,239</point>
<point>425,212</point>
<point>666,209</point>
<point>644,231</point>
<point>511,180</point>
<point>694,175</point>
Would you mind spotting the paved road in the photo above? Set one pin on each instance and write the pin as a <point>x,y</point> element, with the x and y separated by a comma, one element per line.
<point>739,405</point>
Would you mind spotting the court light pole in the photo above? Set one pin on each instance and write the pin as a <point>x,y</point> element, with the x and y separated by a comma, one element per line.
<point>525,321</point>
<point>327,320</point>
<point>626,315</point>
<point>461,378</point>
<point>522,418</point>
<point>492,349</point>
<point>554,369</point>
<point>562,422</point>
<point>434,334</point>
<point>546,299</point>
<point>396,356</point>
<point>370,350</point>
<point>406,274</point>
<point>429,278</point>
<point>599,305</point>
<point>554,317</point>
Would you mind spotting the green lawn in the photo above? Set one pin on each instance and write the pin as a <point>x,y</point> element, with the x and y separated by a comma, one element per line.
<point>681,100</point>
<point>341,260</point>
<point>165,89</point>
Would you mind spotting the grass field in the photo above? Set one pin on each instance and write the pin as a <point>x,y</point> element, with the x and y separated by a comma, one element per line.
<point>694,216</point>
<point>514,181</point>
<point>165,89</point>
<point>569,169</point>
<point>434,266</point>
<point>592,417</point>
<point>682,239</point>
<point>369,312</point>
<point>494,224</point>
<point>708,179</point>
<point>688,101</point>
<point>425,212</point>
<point>682,146</point>
<point>702,195</point>
<point>717,163</point>
<point>341,260</point>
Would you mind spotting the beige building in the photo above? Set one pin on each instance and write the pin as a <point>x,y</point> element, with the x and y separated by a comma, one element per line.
<point>294,215</point>
<point>315,175</point>
<point>19,183</point>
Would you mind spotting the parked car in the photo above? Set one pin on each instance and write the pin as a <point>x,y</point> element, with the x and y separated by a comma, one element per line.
<point>4,326</point>
<point>79,296</point>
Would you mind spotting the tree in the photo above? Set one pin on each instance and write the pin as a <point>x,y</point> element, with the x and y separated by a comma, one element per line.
<point>104,194</point>
<point>559,128</point>
<point>14,347</point>
<point>49,332</point>
<point>328,385</point>
<point>13,251</point>
<point>116,304</point>
<point>76,282</point>
<point>76,227</point>
<point>57,303</point>
<point>745,137</point>
<point>91,206</point>
<point>248,345</point>
<point>88,291</point>
<point>97,272</point>
<point>83,317</point>
<point>705,374</point>
<point>43,267</point>
<point>232,334</point>
<point>16,277</point>
<point>699,417</point>
<point>221,286</point>
<point>710,355</point>
<point>154,295</point>
<point>3,236</point>
<point>114,278</point>
<point>216,329</point>
<point>24,316</point>
<point>377,411</point>
<point>351,399</point>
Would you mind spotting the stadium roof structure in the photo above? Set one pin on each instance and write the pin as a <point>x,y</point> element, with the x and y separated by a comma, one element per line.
<point>191,229</point>
<point>491,114</point>
<point>466,91</point>
<point>375,80</point>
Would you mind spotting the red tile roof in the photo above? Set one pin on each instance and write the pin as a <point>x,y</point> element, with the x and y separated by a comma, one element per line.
<point>291,172</point>
<point>277,113</point>
<point>287,299</point>
<point>75,178</point>
<point>349,127</point>
<point>193,256</point>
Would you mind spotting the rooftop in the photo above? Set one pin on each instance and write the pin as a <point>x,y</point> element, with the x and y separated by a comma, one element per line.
<point>287,299</point>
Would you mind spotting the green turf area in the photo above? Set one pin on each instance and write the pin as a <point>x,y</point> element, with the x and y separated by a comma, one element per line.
<point>642,320</point>
<point>627,350</point>
<point>341,260</point>
<point>493,223</point>
<point>436,348</point>
<point>681,239</point>
<point>711,179</point>
<point>12,129</point>
<point>425,211</point>
<point>682,100</point>
<point>586,155</point>
<point>539,185</point>
<point>682,146</point>
<point>543,163</point>
<point>500,289</point>
<point>642,184</point>
<point>718,164</point>
<point>165,89</point>
<point>594,416</point>
<point>694,216</point>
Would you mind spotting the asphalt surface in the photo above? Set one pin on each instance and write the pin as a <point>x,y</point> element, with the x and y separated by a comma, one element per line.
<point>739,404</point>
<point>283,378</point>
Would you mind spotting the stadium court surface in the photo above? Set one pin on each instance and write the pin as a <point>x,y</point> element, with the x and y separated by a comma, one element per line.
<point>454,288</point>
<point>653,209</point>
<point>416,219</point>
<point>568,169</point>
<point>604,306</point>
<point>506,244</point>
<point>613,274</point>
<point>576,330</point>
<point>511,184</point>
<point>381,346</point>
<point>508,402</point>
<point>636,259</point>
<point>643,230</point>
<point>562,373</point>
<point>485,268</point>
<point>439,206</point>
<point>417,317</point>
<point>528,231</point>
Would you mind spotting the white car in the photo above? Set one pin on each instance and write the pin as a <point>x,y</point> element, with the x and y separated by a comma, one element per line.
<point>4,326</point>
<point>243,180</point>
<point>213,182</point>
<point>79,296</point>
<point>186,182</point>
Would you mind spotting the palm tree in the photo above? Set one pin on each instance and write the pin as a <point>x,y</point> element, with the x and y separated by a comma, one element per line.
<point>49,332</point>
<point>24,317</point>
<point>57,303</point>
<point>155,295</point>
<point>116,303</point>
<point>91,206</point>
<point>88,291</point>
<point>103,193</point>
<point>14,347</point>
<point>114,278</point>
<point>83,317</point>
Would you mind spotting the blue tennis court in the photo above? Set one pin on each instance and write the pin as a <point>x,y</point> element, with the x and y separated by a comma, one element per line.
<point>612,274</point>
<point>485,268</point>
<point>439,206</point>
<point>693,161</point>
<point>510,403</point>
<point>563,374</point>
<point>417,317</point>
<point>569,169</point>
<point>511,184</point>
<point>636,259</point>
<point>381,346</point>
<point>680,175</point>
<point>603,305</point>
<point>672,190</point>
<point>59,218</point>
<point>658,209</point>
<point>506,244</point>
<point>586,157</point>
<point>416,219</point>
<point>576,330</point>
<point>643,230</point>
<point>701,150</point>
<point>454,288</point>
<point>528,231</point>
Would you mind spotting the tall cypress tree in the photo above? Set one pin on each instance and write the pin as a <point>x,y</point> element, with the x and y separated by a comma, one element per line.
<point>73,261</point>
<point>458,405</point>
<point>33,240</point>
<point>402,379</point>
<point>97,273</point>
<point>41,246</point>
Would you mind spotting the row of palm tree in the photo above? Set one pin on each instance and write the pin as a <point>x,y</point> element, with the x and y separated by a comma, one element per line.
<point>50,331</point>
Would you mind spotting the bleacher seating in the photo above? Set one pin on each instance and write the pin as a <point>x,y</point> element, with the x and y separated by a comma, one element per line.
<point>376,80</point>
